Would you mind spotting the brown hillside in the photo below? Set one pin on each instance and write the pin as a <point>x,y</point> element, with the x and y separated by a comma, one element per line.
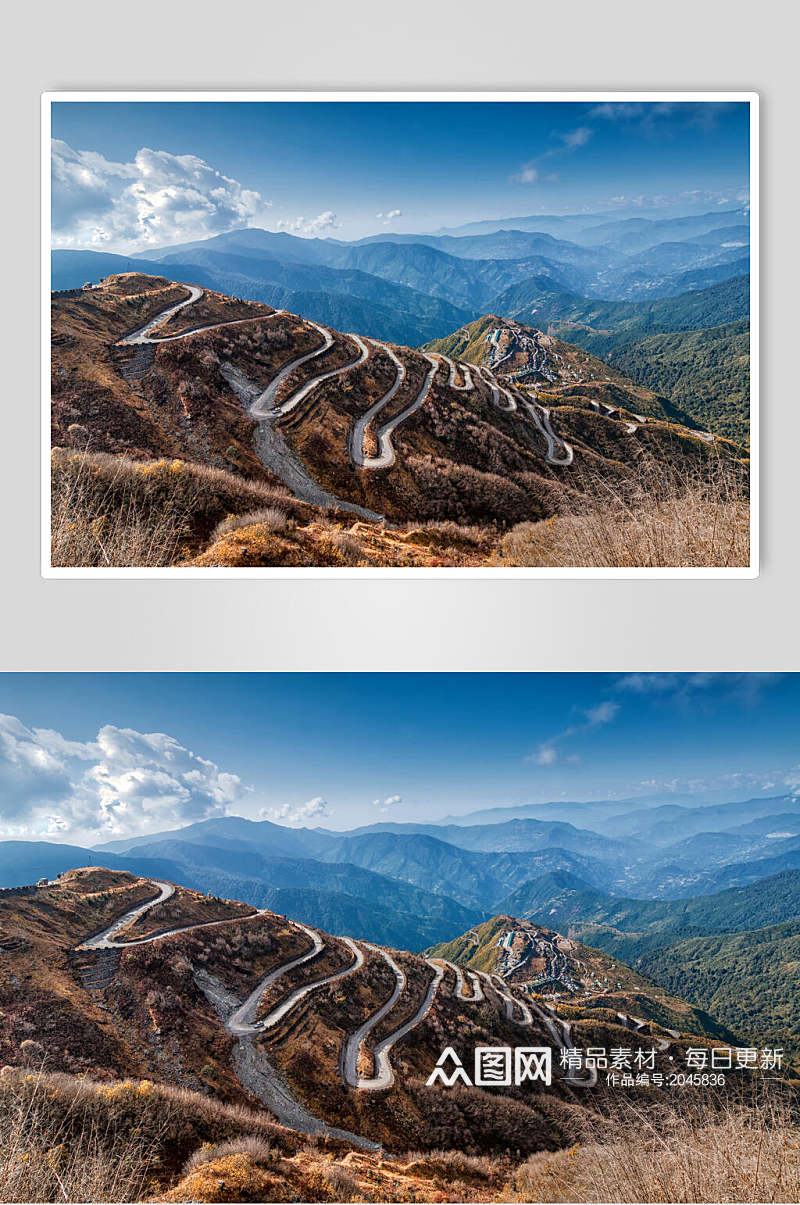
<point>459,457</point>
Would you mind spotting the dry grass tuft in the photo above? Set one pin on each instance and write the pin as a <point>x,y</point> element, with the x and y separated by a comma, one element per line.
<point>117,512</point>
<point>659,519</point>
<point>347,545</point>
<point>272,517</point>
<point>444,533</point>
<point>700,1153</point>
<point>342,1186</point>
<point>257,1149</point>
<point>67,1158</point>
<point>450,1165</point>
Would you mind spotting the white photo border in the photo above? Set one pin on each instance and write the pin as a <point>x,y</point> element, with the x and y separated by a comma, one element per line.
<point>224,96</point>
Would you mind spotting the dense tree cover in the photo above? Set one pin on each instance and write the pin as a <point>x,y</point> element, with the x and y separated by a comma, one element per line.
<point>705,372</point>
<point>750,981</point>
<point>600,326</point>
<point>563,901</point>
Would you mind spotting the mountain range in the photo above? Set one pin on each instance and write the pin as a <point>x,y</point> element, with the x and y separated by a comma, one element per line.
<point>319,975</point>
<point>665,862</point>
<point>605,285</point>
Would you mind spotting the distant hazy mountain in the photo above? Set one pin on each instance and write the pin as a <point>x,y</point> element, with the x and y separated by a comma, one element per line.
<point>610,228</point>
<point>635,234</point>
<point>627,927</point>
<point>672,822</point>
<point>347,299</point>
<point>601,326</point>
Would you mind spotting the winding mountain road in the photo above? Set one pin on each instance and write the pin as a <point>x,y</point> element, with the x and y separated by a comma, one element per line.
<point>386,453</point>
<point>498,391</point>
<point>383,1076</point>
<point>559,452</point>
<point>142,335</point>
<point>451,380</point>
<point>358,430</point>
<point>512,1003</point>
<point>275,453</point>
<point>300,993</point>
<point>264,408</point>
<point>242,1020</point>
<point>265,404</point>
<point>561,1033</point>
<point>354,1040</point>
<point>263,1079</point>
<point>459,991</point>
<point>105,940</point>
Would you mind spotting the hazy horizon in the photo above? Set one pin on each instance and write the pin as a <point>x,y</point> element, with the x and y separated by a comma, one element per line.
<point>86,759</point>
<point>128,176</point>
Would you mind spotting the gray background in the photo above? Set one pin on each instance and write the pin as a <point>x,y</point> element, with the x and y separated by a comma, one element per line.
<point>401,624</point>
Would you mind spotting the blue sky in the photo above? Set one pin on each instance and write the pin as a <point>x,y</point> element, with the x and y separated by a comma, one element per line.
<point>88,757</point>
<point>123,179</point>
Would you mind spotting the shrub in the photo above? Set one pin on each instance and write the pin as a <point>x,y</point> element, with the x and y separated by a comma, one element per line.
<point>257,1149</point>
<point>266,516</point>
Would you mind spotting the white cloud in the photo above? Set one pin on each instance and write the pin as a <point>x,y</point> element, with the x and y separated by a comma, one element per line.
<point>155,199</point>
<point>547,753</point>
<point>603,713</point>
<point>527,174</point>
<point>661,116</point>
<point>122,783</point>
<point>297,814</point>
<point>576,138</point>
<point>388,802</point>
<point>737,783</point>
<point>390,216</point>
<point>310,227</point>
<point>745,688</point>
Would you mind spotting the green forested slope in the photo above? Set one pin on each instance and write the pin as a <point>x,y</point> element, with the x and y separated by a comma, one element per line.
<point>600,326</point>
<point>705,372</point>
<point>627,927</point>
<point>750,981</point>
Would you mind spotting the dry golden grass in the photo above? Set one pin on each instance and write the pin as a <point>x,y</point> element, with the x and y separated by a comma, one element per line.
<point>114,511</point>
<point>661,518</point>
<point>698,1153</point>
<point>273,517</point>
<point>64,1138</point>
<point>43,1158</point>
<point>258,1150</point>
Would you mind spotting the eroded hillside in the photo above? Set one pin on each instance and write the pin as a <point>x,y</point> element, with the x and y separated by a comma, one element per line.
<point>362,432</point>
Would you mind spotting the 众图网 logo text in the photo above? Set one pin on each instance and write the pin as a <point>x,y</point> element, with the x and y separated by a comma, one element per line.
<point>495,1067</point>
